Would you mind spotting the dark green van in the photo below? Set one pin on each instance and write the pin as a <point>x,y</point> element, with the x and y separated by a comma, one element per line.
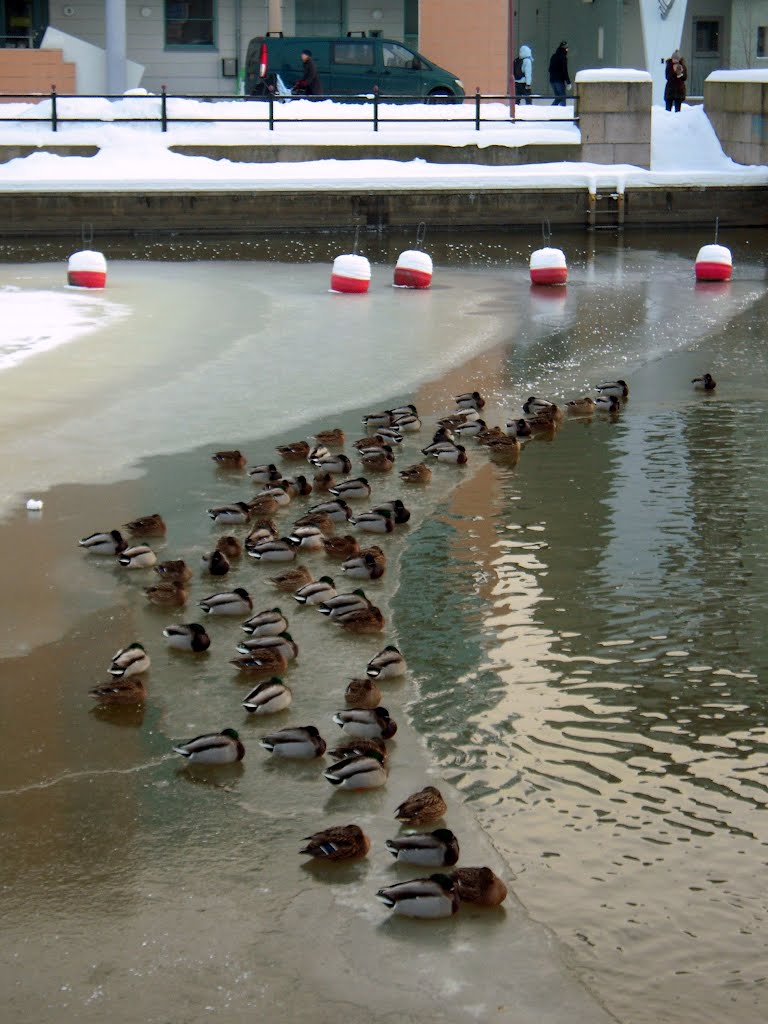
<point>349,66</point>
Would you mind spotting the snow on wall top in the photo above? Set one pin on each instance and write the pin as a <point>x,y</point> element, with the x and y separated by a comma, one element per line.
<point>612,75</point>
<point>748,75</point>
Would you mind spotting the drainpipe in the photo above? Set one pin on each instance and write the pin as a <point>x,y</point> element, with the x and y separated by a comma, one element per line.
<point>511,55</point>
<point>275,16</point>
<point>238,33</point>
<point>114,38</point>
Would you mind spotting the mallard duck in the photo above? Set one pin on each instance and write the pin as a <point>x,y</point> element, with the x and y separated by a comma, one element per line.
<point>519,428</point>
<point>380,461</point>
<point>377,419</point>
<point>263,505</point>
<point>400,514</point>
<point>298,486</point>
<point>283,642</point>
<point>341,547</point>
<point>353,489</point>
<point>374,522</point>
<point>320,519</point>
<point>371,442</point>
<point>491,434</point>
<point>581,406</point>
<point>293,450</point>
<point>480,886</point>
<point>316,592</point>
<point>370,564</point>
<point>300,741</point>
<point>546,414</point>
<point>406,423</point>
<point>280,493</point>
<point>213,748</point>
<point>266,473</point>
<point>504,447</point>
<point>361,620</point>
<point>472,429</point>
<point>343,603</point>
<point>542,424</point>
<point>129,661</point>
<point>705,383</point>
<point>140,557</point>
<point>167,593</point>
<point>403,410</point>
<point>430,850</point>
<point>366,723</point>
<point>121,691</point>
<point>607,403</point>
<point>175,569</point>
<point>230,459</point>
<point>323,482</point>
<point>291,579</point>
<point>432,897</point>
<point>420,473</point>
<point>360,771</point>
<point>620,388</point>
<point>187,637</point>
<point>437,447</point>
<point>317,452</point>
<point>111,543</point>
<point>268,698</point>
<point>309,538</point>
<point>459,419</point>
<point>456,455</point>
<point>263,661</point>
<point>362,693</point>
<point>469,400</point>
<point>387,664</point>
<point>230,602</point>
<point>358,747</point>
<point>422,807</point>
<point>237,512</point>
<point>216,563</point>
<point>340,842</point>
<point>336,508</point>
<point>329,463</point>
<point>334,437</point>
<point>263,530</point>
<point>534,405</point>
<point>281,550</point>
<point>147,526</point>
<point>271,622</point>
<point>391,435</point>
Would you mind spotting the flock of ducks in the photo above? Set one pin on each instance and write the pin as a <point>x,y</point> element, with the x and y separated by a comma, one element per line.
<point>361,758</point>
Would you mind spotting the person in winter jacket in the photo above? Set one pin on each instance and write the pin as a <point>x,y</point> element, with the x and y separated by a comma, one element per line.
<point>309,85</point>
<point>677,75</point>
<point>525,80</point>
<point>558,74</point>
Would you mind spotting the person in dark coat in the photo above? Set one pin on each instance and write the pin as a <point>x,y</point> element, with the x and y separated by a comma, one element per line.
<point>558,74</point>
<point>677,75</point>
<point>310,81</point>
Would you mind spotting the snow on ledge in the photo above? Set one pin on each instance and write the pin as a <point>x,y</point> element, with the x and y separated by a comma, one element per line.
<point>612,75</point>
<point>749,75</point>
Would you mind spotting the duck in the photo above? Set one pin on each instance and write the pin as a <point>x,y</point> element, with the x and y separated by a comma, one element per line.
<point>216,563</point>
<point>581,406</point>
<point>472,429</point>
<point>333,437</point>
<point>213,748</point>
<point>318,451</point>
<point>230,602</point>
<point>459,419</point>
<point>542,424</point>
<point>361,620</point>
<point>139,557</point>
<point>419,473</point>
<point>263,505</point>
<point>620,388</point>
<point>519,428</point>
<point>168,593</point>
<point>341,603</point>
<point>298,741</point>
<point>549,413</point>
<point>607,403</point>
<point>336,508</point>
<point>491,434</point>
<point>129,661</point>
<point>360,771</point>
<point>374,522</point>
<point>480,886</point>
<point>339,842</point>
<point>338,463</point>
<point>390,435</point>
<point>358,747</point>
<point>371,442</point>
<point>389,663</point>
<point>320,519</point>
<point>120,691</point>
<point>189,636</point>
<point>281,550</point>
<point>434,897</point>
<point>704,383</point>
<point>362,693</point>
<point>175,569</point>
<point>262,529</point>
<point>341,547</point>
<point>322,482</point>
<point>380,461</point>
<point>281,493</point>
<point>316,592</point>
<point>370,564</point>
<point>403,410</point>
<point>470,400</point>
<point>435,447</point>
<point>266,473</point>
<point>271,622</point>
<point>293,450</point>
<point>261,661</point>
<point>283,642</point>
<point>534,405</point>
<point>422,807</point>
<point>291,579</point>
<point>430,850</point>
<point>406,423</point>
<point>297,486</point>
<point>268,698</point>
<point>233,459</point>
<point>147,526</point>
<point>358,487</point>
<point>309,538</point>
<point>457,455</point>
<point>504,446</point>
<point>366,723</point>
<point>110,543</point>
<point>237,512</point>
<point>377,419</point>
<point>400,514</point>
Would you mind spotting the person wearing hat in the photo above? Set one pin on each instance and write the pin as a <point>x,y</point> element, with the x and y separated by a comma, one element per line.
<point>677,75</point>
<point>309,85</point>
<point>558,74</point>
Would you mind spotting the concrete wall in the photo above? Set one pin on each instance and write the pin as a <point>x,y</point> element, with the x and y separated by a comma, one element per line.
<point>738,111</point>
<point>615,121</point>
<point>468,39</point>
<point>28,71</point>
<point>746,17</point>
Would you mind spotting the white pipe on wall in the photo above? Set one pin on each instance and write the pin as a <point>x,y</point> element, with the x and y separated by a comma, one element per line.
<point>115,46</point>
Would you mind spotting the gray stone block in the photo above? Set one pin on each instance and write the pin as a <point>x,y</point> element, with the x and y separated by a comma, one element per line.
<point>629,153</point>
<point>601,153</point>
<point>628,128</point>
<point>602,97</point>
<point>592,127</point>
<point>639,96</point>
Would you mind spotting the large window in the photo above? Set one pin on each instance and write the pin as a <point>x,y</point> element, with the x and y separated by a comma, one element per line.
<point>762,41</point>
<point>189,23</point>
<point>353,52</point>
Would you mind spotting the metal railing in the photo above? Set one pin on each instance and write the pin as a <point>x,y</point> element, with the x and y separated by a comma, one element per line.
<point>274,104</point>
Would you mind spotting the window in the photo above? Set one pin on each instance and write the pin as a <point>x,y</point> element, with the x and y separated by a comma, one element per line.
<point>353,52</point>
<point>762,41</point>
<point>396,56</point>
<point>706,37</point>
<point>190,23</point>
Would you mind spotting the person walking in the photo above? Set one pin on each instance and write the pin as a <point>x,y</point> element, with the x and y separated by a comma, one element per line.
<point>677,75</point>
<point>310,83</point>
<point>523,69</point>
<point>558,74</point>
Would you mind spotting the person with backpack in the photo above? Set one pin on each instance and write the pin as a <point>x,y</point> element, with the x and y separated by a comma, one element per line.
<point>522,71</point>
<point>558,74</point>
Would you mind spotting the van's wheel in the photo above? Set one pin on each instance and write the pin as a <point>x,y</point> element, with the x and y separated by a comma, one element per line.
<point>440,96</point>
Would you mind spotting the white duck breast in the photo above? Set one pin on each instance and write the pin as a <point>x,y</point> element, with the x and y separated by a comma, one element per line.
<point>352,489</point>
<point>387,664</point>
<point>282,550</point>
<point>338,509</point>
<point>284,643</point>
<point>373,522</point>
<point>428,850</point>
<point>310,538</point>
<point>140,557</point>
<point>302,742</point>
<point>268,698</point>
<point>455,455</point>
<point>432,897</point>
<point>366,724</point>
<point>238,512</point>
<point>111,543</point>
<point>317,592</point>
<point>267,623</point>
<point>357,772</point>
<point>232,602</point>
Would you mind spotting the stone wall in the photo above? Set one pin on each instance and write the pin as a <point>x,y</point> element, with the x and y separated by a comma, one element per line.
<point>736,103</point>
<point>615,117</point>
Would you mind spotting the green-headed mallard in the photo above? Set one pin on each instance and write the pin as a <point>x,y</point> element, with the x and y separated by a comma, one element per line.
<point>339,842</point>
<point>268,698</point>
<point>366,723</point>
<point>406,423</point>
<point>429,850</point>
<point>229,602</point>
<point>619,388</point>
<point>360,771</point>
<point>336,508</point>
<point>129,661</point>
<point>316,592</point>
<point>387,664</point>
<point>147,526</point>
<point>215,563</point>
<point>281,492</point>
<point>281,550</point>
<point>266,623</point>
<point>370,564</point>
<point>400,514</point>
<point>329,463</point>
<point>607,403</point>
<point>362,693</point>
<point>353,489</point>
<point>377,419</point>
<point>139,557</point>
<point>455,455</point>
<point>704,383</point>
<point>374,522</point>
<point>267,473</point>
<point>263,529</point>
<point>342,603</point>
<point>480,886</point>
<point>432,897</point>
<point>189,636</point>
<point>213,748</point>
<point>283,642</point>
<point>422,807</point>
<point>298,741</point>
<point>309,538</point>
<point>237,512</point>
<point>110,543</point>
<point>469,400</point>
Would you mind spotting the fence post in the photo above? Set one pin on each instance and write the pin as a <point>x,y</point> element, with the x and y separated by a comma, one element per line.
<point>271,111</point>
<point>477,109</point>
<point>163,110</point>
<point>375,108</point>
<point>54,117</point>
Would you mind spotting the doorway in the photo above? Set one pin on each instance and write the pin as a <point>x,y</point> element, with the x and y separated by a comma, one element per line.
<point>706,53</point>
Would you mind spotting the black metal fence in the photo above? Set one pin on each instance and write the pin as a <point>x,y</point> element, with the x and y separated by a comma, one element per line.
<point>273,105</point>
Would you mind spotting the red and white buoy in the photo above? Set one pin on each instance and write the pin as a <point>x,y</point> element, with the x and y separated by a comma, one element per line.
<point>413,269</point>
<point>548,266</point>
<point>87,269</point>
<point>351,273</point>
<point>714,263</point>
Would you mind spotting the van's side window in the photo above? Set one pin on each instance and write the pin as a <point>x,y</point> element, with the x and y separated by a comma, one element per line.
<point>397,56</point>
<point>353,52</point>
